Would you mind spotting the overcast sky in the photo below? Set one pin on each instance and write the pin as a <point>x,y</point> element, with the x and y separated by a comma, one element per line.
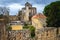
<point>15,5</point>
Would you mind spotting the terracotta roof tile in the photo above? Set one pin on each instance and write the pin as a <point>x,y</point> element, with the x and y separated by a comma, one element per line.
<point>39,16</point>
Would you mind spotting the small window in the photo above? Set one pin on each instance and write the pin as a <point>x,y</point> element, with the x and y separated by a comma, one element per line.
<point>29,7</point>
<point>47,33</point>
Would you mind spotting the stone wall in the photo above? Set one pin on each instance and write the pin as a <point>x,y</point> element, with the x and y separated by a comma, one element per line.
<point>48,33</point>
<point>19,35</point>
<point>3,33</point>
<point>58,30</point>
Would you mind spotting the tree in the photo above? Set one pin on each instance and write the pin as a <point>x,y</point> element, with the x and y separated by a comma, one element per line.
<point>25,26</point>
<point>32,29</point>
<point>52,12</point>
<point>4,12</point>
<point>8,28</point>
<point>1,16</point>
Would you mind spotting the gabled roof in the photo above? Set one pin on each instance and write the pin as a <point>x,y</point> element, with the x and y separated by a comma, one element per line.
<point>39,15</point>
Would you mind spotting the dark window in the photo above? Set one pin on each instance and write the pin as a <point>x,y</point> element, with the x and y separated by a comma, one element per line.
<point>29,7</point>
<point>30,15</point>
<point>47,33</point>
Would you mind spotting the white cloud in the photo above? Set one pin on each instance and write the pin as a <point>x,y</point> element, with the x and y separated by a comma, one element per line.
<point>1,5</point>
<point>40,7</point>
<point>14,8</point>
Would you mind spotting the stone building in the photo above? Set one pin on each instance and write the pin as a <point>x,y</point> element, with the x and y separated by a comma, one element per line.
<point>48,33</point>
<point>27,12</point>
<point>20,15</point>
<point>58,35</point>
<point>39,21</point>
<point>19,35</point>
<point>58,30</point>
<point>13,18</point>
<point>3,32</point>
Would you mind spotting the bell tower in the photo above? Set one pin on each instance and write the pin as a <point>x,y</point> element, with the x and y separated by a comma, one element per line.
<point>28,11</point>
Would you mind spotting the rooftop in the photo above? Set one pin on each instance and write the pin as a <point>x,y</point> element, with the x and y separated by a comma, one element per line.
<point>39,15</point>
<point>27,3</point>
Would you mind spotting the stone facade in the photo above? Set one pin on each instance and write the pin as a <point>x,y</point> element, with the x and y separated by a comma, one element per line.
<point>58,35</point>
<point>13,18</point>
<point>27,12</point>
<point>48,33</point>
<point>58,30</point>
<point>39,21</point>
<point>3,32</point>
<point>19,35</point>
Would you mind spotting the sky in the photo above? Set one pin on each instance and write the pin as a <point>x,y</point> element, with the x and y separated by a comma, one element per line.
<point>16,5</point>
